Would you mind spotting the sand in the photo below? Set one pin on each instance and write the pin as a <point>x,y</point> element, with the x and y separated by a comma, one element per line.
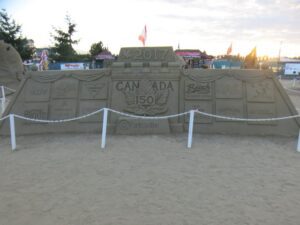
<point>224,180</point>
<point>136,180</point>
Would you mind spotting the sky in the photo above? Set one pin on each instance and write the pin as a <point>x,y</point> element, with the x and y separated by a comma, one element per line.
<point>210,25</point>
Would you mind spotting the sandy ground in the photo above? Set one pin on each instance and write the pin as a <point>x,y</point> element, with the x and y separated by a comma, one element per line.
<point>228,180</point>
<point>136,180</point>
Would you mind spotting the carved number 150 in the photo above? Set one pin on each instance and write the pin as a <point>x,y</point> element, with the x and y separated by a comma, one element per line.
<point>142,99</point>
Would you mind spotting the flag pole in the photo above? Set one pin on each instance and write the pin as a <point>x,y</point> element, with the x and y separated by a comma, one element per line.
<point>279,52</point>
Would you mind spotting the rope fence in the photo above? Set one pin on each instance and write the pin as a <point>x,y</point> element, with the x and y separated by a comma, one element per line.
<point>105,111</point>
<point>3,96</point>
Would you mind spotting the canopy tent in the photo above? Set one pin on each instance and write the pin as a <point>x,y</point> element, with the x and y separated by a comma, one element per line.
<point>193,53</point>
<point>104,55</point>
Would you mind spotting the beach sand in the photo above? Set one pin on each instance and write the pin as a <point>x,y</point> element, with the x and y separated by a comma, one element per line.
<point>222,180</point>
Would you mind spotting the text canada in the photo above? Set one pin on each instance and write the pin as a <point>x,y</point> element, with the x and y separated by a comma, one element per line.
<point>133,85</point>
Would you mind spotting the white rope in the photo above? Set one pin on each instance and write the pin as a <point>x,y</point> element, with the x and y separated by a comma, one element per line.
<point>292,90</point>
<point>153,117</point>
<point>148,117</point>
<point>9,89</point>
<point>245,119</point>
<point>59,121</point>
<point>4,118</point>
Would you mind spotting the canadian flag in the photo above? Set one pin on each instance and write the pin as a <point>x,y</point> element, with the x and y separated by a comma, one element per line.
<point>143,36</point>
<point>229,50</point>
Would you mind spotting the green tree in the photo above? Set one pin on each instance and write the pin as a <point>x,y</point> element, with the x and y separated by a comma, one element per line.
<point>96,48</point>
<point>63,46</point>
<point>10,32</point>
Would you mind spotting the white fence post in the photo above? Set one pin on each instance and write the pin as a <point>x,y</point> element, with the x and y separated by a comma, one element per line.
<point>298,145</point>
<point>104,126</point>
<point>294,82</point>
<point>191,126</point>
<point>12,131</point>
<point>3,99</point>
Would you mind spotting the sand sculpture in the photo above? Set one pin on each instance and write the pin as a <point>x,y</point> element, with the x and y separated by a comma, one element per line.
<point>11,66</point>
<point>151,81</point>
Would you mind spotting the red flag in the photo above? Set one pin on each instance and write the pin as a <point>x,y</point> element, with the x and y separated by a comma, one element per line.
<point>143,36</point>
<point>229,50</point>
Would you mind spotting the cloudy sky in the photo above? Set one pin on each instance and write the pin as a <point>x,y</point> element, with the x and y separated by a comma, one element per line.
<point>197,24</point>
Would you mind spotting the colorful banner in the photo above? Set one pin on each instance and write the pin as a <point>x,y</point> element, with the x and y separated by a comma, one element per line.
<point>72,66</point>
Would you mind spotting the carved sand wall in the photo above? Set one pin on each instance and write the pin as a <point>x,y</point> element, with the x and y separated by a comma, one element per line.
<point>238,93</point>
<point>56,95</point>
<point>11,66</point>
<point>152,82</point>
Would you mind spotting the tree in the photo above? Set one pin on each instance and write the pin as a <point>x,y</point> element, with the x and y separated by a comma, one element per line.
<point>64,41</point>
<point>10,32</point>
<point>96,48</point>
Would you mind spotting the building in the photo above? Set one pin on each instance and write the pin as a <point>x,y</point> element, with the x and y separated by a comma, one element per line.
<point>194,58</point>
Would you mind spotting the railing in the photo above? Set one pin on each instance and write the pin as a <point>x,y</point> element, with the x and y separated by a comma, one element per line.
<point>105,115</point>
<point>3,96</point>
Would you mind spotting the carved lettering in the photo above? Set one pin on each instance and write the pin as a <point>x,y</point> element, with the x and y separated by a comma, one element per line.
<point>145,97</point>
<point>197,90</point>
<point>146,54</point>
<point>134,85</point>
<point>127,125</point>
<point>35,111</point>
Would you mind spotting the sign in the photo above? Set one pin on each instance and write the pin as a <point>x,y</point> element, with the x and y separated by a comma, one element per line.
<point>292,69</point>
<point>189,54</point>
<point>72,66</point>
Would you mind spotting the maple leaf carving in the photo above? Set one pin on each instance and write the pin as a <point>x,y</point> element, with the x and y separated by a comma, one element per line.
<point>146,100</point>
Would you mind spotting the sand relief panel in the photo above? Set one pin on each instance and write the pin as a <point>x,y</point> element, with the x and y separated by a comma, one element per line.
<point>229,108</point>
<point>262,91</point>
<point>65,88</point>
<point>35,111</point>
<point>261,101</point>
<point>229,98</point>
<point>37,92</point>
<point>197,90</point>
<point>94,90</point>
<point>63,109</point>
<point>64,98</point>
<point>36,99</point>
<point>145,98</point>
<point>92,97</point>
<point>198,95</point>
<point>229,88</point>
